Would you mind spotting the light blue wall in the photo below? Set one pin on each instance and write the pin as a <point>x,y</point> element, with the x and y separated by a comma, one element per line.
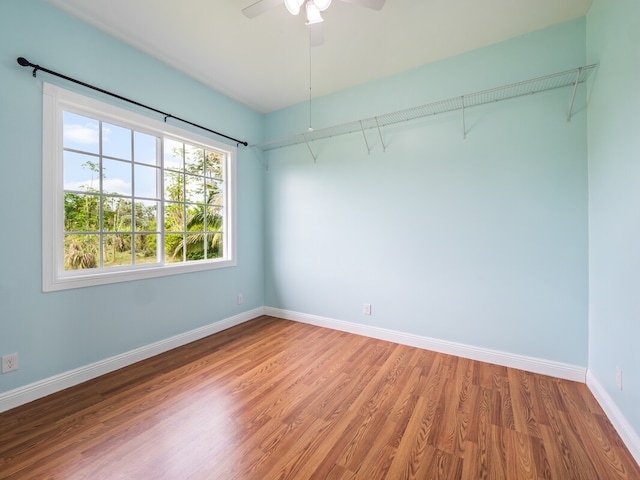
<point>60,331</point>
<point>613,39</point>
<point>481,241</point>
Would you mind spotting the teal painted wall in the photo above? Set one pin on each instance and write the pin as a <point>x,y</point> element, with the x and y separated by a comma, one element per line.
<point>60,331</point>
<point>508,240</point>
<point>481,241</point>
<point>504,240</point>
<point>613,40</point>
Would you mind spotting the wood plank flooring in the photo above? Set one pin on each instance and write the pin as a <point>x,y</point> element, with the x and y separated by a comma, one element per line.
<point>273,399</point>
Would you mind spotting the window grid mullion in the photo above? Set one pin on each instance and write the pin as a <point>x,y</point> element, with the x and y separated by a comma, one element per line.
<point>133,201</point>
<point>160,249</point>
<point>184,202</point>
<point>100,198</point>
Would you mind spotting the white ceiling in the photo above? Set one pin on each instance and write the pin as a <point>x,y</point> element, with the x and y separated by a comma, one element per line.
<point>264,63</point>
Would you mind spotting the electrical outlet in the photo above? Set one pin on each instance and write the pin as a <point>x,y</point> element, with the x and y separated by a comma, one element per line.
<point>619,378</point>
<point>366,309</point>
<point>9,363</point>
<point>240,299</point>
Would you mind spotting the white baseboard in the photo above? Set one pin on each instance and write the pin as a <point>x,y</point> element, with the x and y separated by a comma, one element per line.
<point>42,388</point>
<point>617,419</point>
<point>28,393</point>
<point>530,364</point>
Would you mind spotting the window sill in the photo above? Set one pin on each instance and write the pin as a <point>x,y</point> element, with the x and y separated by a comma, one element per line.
<point>54,283</point>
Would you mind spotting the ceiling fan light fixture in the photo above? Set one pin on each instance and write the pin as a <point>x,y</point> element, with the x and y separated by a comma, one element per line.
<point>322,5</point>
<point>313,13</point>
<point>293,6</point>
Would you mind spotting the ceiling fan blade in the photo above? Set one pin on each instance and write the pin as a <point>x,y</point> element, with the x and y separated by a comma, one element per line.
<point>316,34</point>
<point>372,4</point>
<point>260,7</point>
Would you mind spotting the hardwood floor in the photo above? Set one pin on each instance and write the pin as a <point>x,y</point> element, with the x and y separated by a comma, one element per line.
<point>273,399</point>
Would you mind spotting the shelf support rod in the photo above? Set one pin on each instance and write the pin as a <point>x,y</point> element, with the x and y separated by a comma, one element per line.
<point>573,97</point>
<point>464,127</point>
<point>309,147</point>
<point>365,138</point>
<point>384,148</point>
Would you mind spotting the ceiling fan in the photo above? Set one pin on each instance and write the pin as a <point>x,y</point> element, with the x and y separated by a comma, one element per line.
<point>313,10</point>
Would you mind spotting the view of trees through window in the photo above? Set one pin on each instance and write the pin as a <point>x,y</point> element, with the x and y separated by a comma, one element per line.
<point>131,198</point>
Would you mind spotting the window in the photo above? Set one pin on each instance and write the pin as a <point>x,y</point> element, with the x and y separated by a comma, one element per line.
<point>126,197</point>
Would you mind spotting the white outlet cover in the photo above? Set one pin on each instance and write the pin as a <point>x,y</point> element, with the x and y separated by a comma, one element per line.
<point>9,363</point>
<point>619,378</point>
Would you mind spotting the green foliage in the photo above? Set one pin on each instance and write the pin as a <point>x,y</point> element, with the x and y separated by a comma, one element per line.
<point>81,251</point>
<point>197,227</point>
<point>198,219</point>
<point>81,212</point>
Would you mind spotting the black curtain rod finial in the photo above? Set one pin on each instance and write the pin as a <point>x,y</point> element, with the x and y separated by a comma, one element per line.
<point>26,63</point>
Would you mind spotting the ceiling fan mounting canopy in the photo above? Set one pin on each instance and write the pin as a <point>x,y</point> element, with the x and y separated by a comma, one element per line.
<point>313,13</point>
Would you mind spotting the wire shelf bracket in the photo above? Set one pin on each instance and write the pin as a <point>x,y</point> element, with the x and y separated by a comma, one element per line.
<point>554,81</point>
<point>365,139</point>
<point>384,148</point>
<point>464,126</point>
<point>314,156</point>
<point>573,96</point>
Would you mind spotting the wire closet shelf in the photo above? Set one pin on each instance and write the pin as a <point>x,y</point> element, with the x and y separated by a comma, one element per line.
<point>554,81</point>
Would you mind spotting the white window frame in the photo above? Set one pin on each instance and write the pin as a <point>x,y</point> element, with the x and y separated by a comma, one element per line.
<point>54,276</point>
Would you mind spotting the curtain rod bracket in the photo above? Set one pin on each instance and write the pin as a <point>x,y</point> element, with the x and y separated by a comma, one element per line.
<point>26,63</point>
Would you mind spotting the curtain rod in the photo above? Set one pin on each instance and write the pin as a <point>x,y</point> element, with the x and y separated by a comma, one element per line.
<point>26,63</point>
